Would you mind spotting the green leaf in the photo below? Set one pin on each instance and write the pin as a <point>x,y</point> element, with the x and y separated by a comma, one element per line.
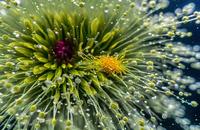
<point>27,37</point>
<point>24,67</point>
<point>94,26</point>
<point>71,87</point>
<point>54,66</point>
<point>51,35</point>
<point>81,31</point>
<point>101,77</point>
<point>28,24</point>
<point>40,57</point>
<point>86,87</point>
<point>29,80</point>
<point>43,77</point>
<point>22,44</point>
<point>44,48</point>
<point>40,40</point>
<point>26,62</point>
<point>48,65</point>
<point>24,51</point>
<point>81,46</point>
<point>76,93</point>
<point>95,82</point>
<point>71,20</point>
<point>93,91</point>
<point>58,73</point>
<point>108,36</point>
<point>56,96</point>
<point>90,43</point>
<point>39,69</point>
<point>50,75</point>
<point>38,28</point>
<point>75,72</point>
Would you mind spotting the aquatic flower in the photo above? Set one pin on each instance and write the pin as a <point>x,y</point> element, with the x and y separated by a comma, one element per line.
<point>110,64</point>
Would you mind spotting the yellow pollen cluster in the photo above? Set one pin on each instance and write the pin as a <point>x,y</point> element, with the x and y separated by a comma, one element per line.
<point>110,64</point>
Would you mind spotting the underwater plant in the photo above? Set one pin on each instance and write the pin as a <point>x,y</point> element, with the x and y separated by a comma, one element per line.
<point>94,65</point>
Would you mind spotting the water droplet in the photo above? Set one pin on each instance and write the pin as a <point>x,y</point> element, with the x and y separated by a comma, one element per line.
<point>77,80</point>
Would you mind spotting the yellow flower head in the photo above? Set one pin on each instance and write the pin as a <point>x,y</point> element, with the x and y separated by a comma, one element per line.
<point>110,64</point>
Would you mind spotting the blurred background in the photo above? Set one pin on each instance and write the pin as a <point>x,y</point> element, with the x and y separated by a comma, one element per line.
<point>192,114</point>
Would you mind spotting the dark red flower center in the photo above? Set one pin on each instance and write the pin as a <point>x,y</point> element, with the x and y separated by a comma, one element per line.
<point>63,51</point>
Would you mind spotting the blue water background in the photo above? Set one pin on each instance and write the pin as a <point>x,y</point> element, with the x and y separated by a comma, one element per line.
<point>191,113</point>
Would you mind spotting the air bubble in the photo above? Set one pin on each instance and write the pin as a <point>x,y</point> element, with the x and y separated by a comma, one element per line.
<point>77,80</point>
